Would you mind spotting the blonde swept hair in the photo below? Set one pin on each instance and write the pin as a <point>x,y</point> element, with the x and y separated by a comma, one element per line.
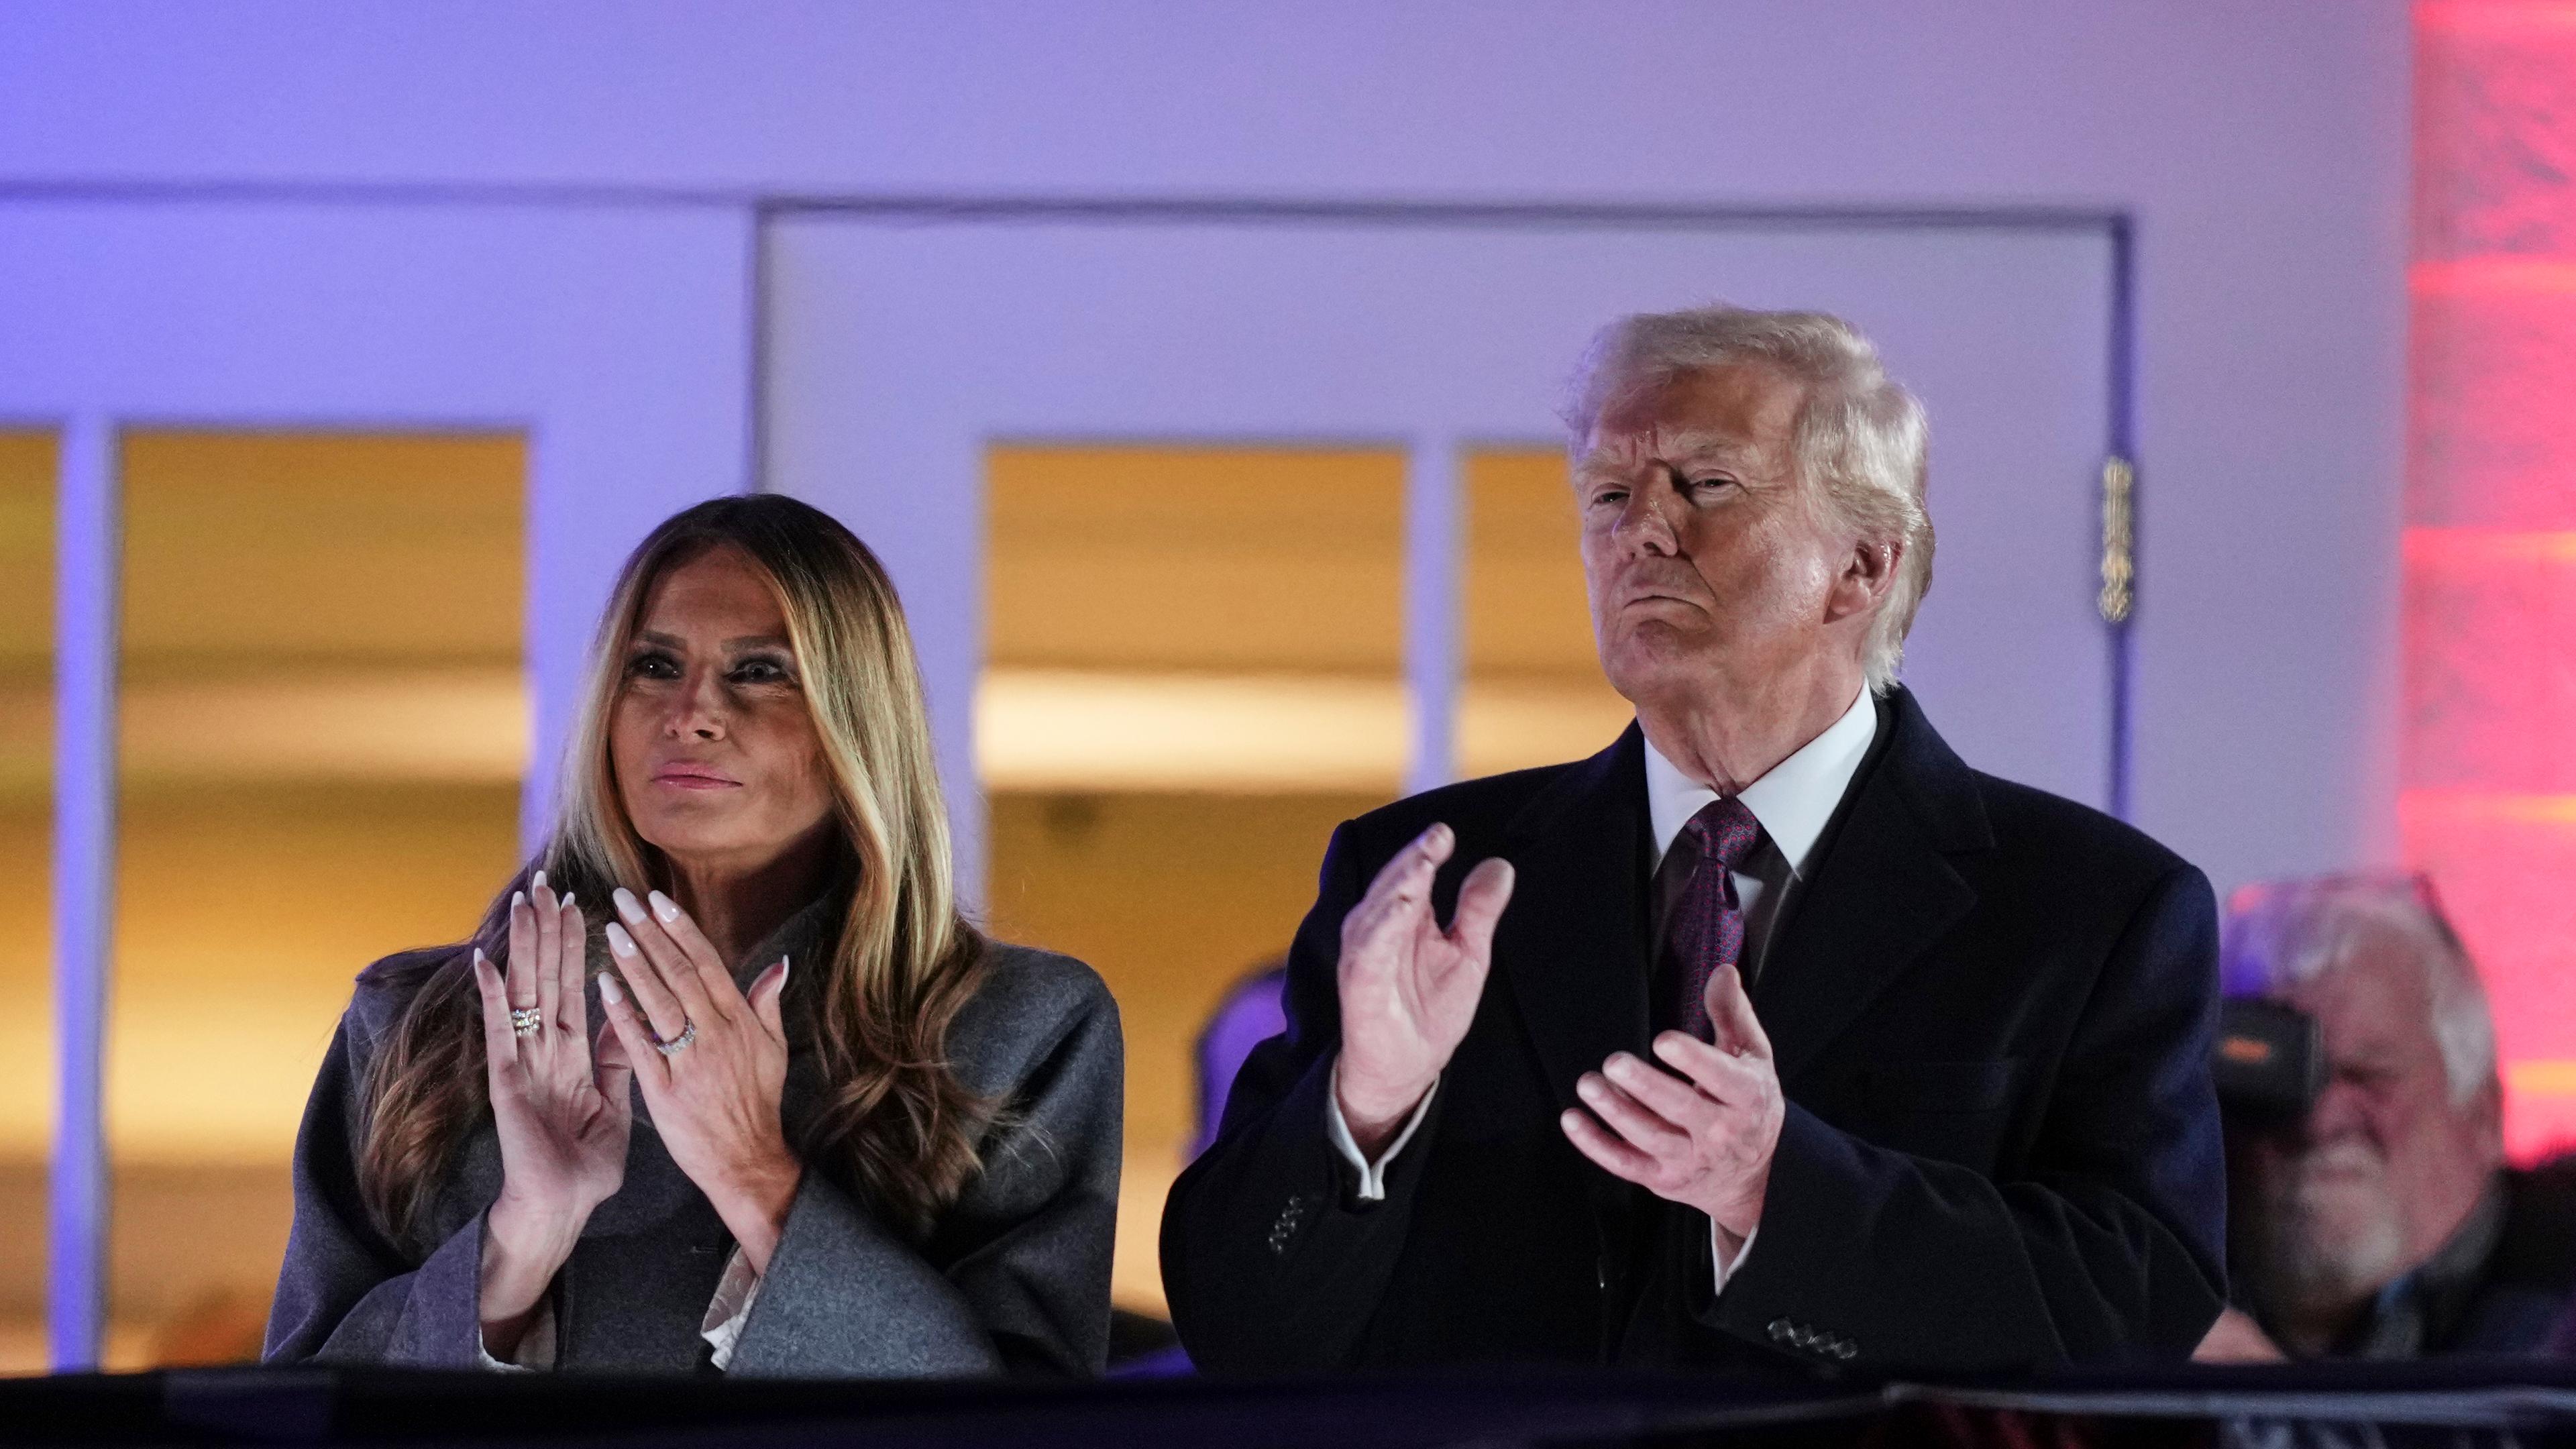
<point>896,1122</point>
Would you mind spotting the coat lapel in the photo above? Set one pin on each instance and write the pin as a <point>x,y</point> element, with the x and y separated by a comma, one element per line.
<point>1880,891</point>
<point>1572,944</point>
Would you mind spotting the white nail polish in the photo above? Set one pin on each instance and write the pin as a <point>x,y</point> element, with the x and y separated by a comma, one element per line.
<point>609,990</point>
<point>627,905</point>
<point>518,899</point>
<point>567,900</point>
<point>539,881</point>
<point>620,942</point>
<point>664,907</point>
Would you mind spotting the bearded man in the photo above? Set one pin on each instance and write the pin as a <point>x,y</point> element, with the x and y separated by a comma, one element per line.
<point>2383,1223</point>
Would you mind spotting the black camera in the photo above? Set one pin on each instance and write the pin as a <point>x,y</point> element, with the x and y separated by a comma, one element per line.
<point>2269,1063</point>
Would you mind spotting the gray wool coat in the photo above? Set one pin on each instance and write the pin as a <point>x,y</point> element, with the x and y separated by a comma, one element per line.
<point>1013,1278</point>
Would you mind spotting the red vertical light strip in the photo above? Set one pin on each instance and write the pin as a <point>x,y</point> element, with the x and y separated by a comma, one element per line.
<point>2489,767</point>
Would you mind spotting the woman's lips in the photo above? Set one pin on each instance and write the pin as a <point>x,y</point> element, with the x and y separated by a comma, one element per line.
<point>690,780</point>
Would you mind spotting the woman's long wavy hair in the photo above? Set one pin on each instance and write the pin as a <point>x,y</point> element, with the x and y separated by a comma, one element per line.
<point>897,1122</point>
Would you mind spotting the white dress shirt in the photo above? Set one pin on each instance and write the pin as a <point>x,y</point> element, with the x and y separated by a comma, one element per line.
<point>1793,802</point>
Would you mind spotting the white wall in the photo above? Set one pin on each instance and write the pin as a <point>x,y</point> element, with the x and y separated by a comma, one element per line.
<point>2261,147</point>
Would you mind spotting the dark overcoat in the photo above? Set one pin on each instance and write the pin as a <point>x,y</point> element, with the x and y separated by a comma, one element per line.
<point>1991,1010</point>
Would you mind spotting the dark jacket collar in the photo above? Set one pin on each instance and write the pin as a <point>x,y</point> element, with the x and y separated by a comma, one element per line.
<point>1936,784</point>
<point>1573,940</point>
<point>1885,887</point>
<point>814,928</point>
<point>1881,887</point>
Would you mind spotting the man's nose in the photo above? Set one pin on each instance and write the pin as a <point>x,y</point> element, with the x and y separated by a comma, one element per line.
<point>1643,525</point>
<point>2341,1108</point>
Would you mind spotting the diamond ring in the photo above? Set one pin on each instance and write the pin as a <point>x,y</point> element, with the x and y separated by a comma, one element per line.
<point>527,1020</point>
<point>677,1044</point>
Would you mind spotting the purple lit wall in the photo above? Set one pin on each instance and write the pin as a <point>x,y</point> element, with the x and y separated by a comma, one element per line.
<point>2261,149</point>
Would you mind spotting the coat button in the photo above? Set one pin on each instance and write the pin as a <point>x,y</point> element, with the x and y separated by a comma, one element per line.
<point>1780,1330</point>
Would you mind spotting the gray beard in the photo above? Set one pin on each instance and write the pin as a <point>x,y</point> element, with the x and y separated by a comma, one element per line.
<point>2328,1242</point>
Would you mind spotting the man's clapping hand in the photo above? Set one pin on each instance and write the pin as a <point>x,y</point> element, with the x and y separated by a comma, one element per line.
<point>1409,988</point>
<point>1701,1134</point>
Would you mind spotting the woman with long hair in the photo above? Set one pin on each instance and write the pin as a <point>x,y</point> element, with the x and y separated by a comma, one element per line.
<point>871,1142</point>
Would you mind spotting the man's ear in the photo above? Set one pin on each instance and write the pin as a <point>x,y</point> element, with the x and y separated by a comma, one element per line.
<point>1868,574</point>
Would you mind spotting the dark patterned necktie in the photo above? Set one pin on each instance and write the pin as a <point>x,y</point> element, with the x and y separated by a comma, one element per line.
<point>1706,931</point>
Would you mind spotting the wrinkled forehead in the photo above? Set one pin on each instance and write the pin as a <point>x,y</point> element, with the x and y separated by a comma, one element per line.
<point>2379,993</point>
<point>1742,414</point>
<point>1626,451</point>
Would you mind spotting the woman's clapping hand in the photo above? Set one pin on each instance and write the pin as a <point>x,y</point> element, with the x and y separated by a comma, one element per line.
<point>714,1099</point>
<point>562,1113</point>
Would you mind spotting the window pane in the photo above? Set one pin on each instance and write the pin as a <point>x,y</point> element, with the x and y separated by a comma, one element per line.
<point>1194,672</point>
<point>1230,560</point>
<point>323,729</point>
<point>1533,692</point>
<point>27,487</point>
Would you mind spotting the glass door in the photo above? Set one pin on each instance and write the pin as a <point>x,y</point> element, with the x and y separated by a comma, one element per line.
<point>335,493</point>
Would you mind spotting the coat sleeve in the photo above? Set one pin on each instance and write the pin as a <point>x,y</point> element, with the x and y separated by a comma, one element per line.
<point>1015,1277</point>
<point>345,1294</point>
<point>1270,1261</point>
<point>2107,1248</point>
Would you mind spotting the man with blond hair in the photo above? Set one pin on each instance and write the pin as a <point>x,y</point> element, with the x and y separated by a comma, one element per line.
<point>1805,1046</point>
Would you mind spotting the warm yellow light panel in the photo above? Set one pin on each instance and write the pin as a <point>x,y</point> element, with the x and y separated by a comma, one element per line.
<point>1533,691</point>
<point>28,464</point>
<point>243,913</point>
<point>270,549</point>
<point>275,838</point>
<point>1242,560</point>
<point>1092,729</point>
<point>1524,610</point>
<point>1194,671</point>
<point>1172,898</point>
<point>322,731</point>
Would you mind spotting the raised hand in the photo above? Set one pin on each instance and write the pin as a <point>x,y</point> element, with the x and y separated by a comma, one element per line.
<point>1409,988</point>
<point>1700,1134</point>
<point>562,1117</point>
<point>712,1061</point>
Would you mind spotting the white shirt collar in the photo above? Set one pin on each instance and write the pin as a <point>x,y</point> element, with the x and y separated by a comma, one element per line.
<point>1793,801</point>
